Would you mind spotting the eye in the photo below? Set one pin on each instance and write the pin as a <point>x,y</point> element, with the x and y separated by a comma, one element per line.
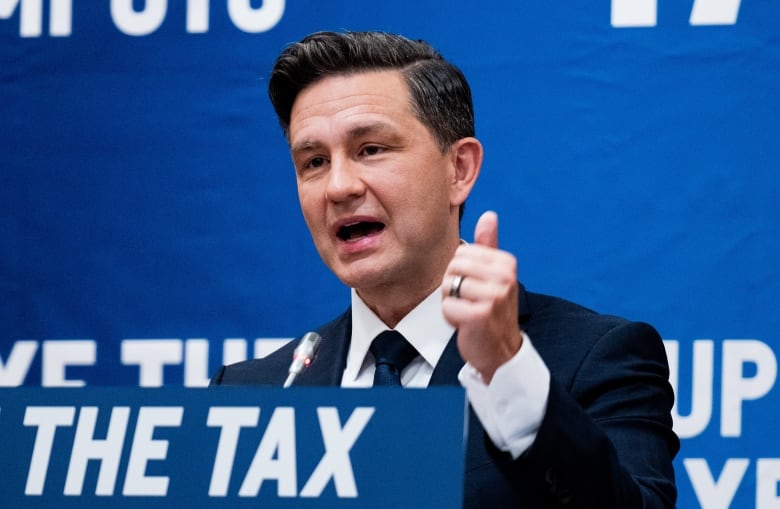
<point>371,150</point>
<point>315,162</point>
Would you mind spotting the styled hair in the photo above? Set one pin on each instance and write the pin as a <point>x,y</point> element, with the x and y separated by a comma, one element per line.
<point>440,96</point>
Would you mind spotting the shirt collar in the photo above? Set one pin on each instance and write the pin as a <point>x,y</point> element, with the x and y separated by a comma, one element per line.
<point>424,327</point>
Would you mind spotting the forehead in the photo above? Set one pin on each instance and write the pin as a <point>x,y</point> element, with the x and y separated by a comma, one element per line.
<point>345,101</point>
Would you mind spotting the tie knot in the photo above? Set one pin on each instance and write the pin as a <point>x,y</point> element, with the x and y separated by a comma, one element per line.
<point>392,353</point>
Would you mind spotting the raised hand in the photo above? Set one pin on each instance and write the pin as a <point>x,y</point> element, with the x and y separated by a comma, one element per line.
<point>483,304</point>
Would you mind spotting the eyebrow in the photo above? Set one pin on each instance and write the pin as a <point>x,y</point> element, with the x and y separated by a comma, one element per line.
<point>374,128</point>
<point>305,145</point>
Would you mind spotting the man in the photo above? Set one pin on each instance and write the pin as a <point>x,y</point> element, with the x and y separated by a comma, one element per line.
<point>569,407</point>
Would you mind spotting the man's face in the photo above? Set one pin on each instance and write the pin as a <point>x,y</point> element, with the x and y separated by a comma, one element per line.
<point>374,187</point>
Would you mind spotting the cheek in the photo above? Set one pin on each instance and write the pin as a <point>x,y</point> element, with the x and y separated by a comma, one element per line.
<point>307,198</point>
<point>313,213</point>
<point>434,188</point>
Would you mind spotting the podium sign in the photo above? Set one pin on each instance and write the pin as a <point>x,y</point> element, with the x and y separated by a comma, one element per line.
<point>232,446</point>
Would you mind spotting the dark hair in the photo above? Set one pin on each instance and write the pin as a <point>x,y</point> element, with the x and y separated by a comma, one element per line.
<point>440,95</point>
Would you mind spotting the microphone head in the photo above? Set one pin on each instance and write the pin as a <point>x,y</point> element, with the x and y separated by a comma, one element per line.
<point>303,355</point>
<point>305,351</point>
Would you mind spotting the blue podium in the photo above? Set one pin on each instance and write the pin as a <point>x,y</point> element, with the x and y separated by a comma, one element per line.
<point>232,447</point>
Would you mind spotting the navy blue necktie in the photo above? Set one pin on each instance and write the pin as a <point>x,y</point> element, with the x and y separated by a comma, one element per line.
<point>392,353</point>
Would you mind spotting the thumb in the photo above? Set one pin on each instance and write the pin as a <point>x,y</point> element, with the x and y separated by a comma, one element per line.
<point>486,231</point>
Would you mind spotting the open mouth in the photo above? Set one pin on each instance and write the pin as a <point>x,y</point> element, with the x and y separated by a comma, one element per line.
<point>356,231</point>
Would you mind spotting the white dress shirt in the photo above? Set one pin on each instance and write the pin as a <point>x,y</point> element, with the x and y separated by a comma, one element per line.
<point>510,408</point>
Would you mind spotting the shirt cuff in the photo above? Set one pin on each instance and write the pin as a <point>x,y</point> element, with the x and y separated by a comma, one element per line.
<point>512,406</point>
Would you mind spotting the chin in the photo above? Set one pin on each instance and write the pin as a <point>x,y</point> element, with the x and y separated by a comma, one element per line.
<point>358,278</point>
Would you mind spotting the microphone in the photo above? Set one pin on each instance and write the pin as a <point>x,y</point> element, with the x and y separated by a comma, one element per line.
<point>303,356</point>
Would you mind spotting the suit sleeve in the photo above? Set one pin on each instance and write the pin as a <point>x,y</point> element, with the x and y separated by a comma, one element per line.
<point>606,440</point>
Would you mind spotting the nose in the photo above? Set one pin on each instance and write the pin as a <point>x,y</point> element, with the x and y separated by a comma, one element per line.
<point>344,181</point>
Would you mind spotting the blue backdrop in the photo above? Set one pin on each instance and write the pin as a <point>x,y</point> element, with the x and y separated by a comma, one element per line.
<point>150,231</point>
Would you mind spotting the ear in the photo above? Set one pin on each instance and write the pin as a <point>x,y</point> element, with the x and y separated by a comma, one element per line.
<point>466,156</point>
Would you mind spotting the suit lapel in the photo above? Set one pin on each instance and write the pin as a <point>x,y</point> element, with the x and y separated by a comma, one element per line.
<point>450,362</point>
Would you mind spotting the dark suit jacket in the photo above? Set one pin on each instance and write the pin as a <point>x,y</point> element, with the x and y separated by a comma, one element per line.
<point>606,440</point>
